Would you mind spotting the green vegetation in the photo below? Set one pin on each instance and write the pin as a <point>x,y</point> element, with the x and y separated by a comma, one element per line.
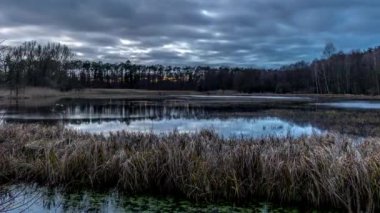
<point>325,170</point>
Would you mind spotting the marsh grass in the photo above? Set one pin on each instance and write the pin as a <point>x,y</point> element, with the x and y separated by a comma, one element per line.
<point>328,170</point>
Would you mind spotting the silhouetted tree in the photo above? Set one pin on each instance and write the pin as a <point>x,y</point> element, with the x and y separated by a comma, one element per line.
<point>51,65</point>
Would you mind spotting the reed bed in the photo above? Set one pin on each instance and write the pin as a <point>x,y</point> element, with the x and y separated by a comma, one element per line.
<point>328,170</point>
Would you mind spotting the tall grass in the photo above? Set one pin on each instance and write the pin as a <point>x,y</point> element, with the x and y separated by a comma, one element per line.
<point>318,170</point>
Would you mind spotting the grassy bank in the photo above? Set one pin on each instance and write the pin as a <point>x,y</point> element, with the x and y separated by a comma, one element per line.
<point>319,170</point>
<point>36,95</point>
<point>40,92</point>
<point>45,96</point>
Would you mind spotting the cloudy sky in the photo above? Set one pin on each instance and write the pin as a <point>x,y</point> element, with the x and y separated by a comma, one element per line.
<point>264,33</point>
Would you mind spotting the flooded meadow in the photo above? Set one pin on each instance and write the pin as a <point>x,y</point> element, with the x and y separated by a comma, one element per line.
<point>229,117</point>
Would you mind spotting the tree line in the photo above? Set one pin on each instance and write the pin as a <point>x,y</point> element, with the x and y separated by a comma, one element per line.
<point>54,65</point>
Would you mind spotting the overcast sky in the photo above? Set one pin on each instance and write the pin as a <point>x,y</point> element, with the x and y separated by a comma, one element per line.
<point>264,33</point>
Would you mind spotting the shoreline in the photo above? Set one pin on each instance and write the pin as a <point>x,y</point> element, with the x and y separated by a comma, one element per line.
<point>45,96</point>
<point>39,92</point>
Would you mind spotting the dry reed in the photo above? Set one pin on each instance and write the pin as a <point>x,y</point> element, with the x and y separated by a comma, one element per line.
<point>327,170</point>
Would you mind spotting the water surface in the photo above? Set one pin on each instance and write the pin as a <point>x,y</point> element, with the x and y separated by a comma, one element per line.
<point>33,199</point>
<point>259,97</point>
<point>229,127</point>
<point>104,116</point>
<point>229,119</point>
<point>353,104</point>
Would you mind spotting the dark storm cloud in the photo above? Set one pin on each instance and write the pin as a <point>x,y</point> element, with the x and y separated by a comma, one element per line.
<point>229,32</point>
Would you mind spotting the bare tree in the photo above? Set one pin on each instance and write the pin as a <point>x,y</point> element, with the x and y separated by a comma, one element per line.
<point>328,51</point>
<point>2,62</point>
<point>375,55</point>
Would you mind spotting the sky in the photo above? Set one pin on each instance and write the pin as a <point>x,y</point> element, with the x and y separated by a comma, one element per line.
<point>253,33</point>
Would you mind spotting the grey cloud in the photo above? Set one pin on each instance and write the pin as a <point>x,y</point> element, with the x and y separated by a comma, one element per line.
<point>265,33</point>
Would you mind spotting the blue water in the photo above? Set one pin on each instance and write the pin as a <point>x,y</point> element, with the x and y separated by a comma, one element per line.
<point>353,104</point>
<point>258,118</point>
<point>229,127</point>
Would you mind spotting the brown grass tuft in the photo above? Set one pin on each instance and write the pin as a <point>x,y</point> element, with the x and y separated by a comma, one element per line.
<point>318,170</point>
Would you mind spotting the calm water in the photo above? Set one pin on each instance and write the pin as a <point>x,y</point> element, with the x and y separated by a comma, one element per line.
<point>104,116</point>
<point>21,198</point>
<point>250,97</point>
<point>282,116</point>
<point>353,104</point>
<point>229,127</point>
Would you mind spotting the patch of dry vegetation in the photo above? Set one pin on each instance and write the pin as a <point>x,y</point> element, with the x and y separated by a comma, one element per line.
<point>319,170</point>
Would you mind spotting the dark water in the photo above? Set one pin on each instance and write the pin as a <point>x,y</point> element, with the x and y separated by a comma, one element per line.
<point>33,199</point>
<point>282,117</point>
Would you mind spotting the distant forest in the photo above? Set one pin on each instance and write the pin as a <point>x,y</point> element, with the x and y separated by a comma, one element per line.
<point>54,65</point>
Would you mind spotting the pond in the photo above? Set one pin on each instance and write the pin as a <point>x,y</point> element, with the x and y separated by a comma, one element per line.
<point>34,199</point>
<point>256,118</point>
